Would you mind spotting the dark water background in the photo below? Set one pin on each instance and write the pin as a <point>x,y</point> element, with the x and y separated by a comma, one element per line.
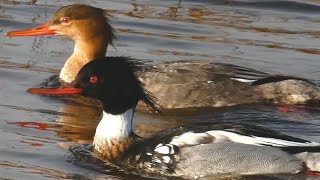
<point>272,36</point>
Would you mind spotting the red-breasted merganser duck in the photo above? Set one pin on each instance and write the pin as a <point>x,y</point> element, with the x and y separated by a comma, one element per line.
<point>187,151</point>
<point>179,84</point>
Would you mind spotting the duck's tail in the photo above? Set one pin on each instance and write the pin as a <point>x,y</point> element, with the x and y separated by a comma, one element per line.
<point>288,90</point>
<point>311,160</point>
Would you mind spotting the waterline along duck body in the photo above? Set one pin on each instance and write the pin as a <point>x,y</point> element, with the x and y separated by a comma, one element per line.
<point>187,151</point>
<point>179,84</point>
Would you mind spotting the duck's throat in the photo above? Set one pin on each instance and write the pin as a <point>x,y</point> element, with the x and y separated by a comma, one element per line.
<point>113,133</point>
<point>84,52</point>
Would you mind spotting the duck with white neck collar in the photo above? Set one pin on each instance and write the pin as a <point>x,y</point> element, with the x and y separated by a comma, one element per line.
<point>176,84</point>
<point>187,151</point>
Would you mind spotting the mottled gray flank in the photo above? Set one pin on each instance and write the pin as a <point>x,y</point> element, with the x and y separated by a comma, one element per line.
<point>197,84</point>
<point>235,158</point>
<point>205,84</point>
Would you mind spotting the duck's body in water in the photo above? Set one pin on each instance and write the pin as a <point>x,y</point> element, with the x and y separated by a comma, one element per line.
<point>187,151</point>
<point>179,84</point>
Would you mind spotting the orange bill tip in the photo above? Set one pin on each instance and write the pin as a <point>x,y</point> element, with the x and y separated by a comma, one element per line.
<point>55,91</point>
<point>36,31</point>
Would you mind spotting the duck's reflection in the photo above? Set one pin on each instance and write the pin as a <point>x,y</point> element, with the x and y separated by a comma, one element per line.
<point>83,115</point>
<point>80,126</point>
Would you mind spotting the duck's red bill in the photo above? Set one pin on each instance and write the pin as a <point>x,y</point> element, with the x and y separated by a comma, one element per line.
<point>36,31</point>
<point>56,91</point>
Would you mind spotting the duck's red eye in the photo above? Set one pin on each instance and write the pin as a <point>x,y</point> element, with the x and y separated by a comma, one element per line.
<point>93,79</point>
<point>64,19</point>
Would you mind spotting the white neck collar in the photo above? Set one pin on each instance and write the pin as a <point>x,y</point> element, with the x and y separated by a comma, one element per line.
<point>113,127</point>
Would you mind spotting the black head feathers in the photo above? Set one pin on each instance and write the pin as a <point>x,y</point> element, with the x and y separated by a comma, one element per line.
<point>113,81</point>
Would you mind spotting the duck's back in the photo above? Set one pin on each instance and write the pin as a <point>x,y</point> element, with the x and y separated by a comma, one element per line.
<point>183,84</point>
<point>208,149</point>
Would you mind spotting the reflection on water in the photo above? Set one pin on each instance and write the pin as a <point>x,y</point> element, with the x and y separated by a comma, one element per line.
<point>271,36</point>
